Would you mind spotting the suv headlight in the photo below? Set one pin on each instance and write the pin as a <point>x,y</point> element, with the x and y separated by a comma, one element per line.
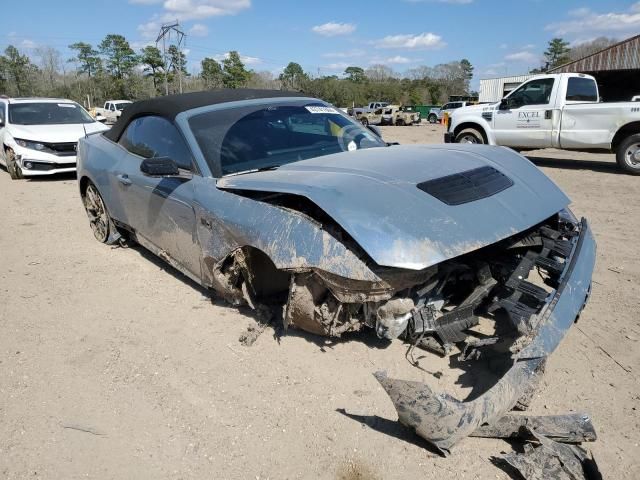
<point>30,144</point>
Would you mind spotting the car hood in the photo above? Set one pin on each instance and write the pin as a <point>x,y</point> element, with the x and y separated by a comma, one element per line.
<point>373,195</point>
<point>55,133</point>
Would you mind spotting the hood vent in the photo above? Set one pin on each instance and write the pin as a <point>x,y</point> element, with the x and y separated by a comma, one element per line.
<point>469,186</point>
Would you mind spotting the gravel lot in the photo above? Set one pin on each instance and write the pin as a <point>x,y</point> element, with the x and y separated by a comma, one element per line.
<point>113,365</point>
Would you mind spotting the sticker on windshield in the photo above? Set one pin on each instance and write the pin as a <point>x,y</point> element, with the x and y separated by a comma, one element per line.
<point>321,110</point>
<point>67,105</point>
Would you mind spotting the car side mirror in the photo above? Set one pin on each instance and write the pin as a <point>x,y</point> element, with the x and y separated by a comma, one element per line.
<point>159,167</point>
<point>505,104</point>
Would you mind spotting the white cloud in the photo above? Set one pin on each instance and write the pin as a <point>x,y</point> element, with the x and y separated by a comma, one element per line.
<point>503,46</point>
<point>149,30</point>
<point>397,60</point>
<point>421,41</point>
<point>528,46</point>
<point>522,56</point>
<point>199,9</point>
<point>356,52</point>
<point>185,10</point>
<point>332,29</point>
<point>579,12</point>
<point>140,45</point>
<point>247,60</point>
<point>494,69</point>
<point>199,30</point>
<point>585,20</point>
<point>455,2</point>
<point>27,43</point>
<point>336,66</point>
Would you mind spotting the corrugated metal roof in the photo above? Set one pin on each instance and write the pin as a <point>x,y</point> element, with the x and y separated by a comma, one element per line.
<point>624,55</point>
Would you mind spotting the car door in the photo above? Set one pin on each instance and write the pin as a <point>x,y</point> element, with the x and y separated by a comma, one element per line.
<point>3,121</point>
<point>159,209</point>
<point>526,119</point>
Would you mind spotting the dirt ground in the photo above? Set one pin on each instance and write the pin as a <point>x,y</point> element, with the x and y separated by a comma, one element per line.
<point>113,365</point>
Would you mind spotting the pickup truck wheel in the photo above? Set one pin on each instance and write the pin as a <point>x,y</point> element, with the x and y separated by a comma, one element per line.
<point>469,135</point>
<point>99,218</point>
<point>628,155</point>
<point>400,122</point>
<point>433,118</point>
<point>364,122</point>
<point>15,172</point>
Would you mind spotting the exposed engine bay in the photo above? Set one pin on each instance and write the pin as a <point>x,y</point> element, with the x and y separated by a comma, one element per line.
<point>510,280</point>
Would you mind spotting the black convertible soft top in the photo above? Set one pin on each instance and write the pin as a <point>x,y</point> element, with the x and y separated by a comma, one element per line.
<point>171,105</point>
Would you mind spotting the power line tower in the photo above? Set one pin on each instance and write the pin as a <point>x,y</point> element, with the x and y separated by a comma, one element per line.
<point>167,32</point>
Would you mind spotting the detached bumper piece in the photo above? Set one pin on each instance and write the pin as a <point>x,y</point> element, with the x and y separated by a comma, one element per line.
<point>542,319</point>
<point>544,458</point>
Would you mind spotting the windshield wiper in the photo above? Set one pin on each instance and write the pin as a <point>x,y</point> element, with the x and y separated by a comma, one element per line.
<point>253,170</point>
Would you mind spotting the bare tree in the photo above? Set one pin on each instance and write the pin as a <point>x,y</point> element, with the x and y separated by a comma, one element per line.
<point>49,62</point>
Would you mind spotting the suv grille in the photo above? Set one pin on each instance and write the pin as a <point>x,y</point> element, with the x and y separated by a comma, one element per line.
<point>465,187</point>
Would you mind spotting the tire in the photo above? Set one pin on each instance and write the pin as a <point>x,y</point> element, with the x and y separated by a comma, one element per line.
<point>364,122</point>
<point>15,172</point>
<point>469,135</point>
<point>400,122</point>
<point>99,218</point>
<point>628,154</point>
<point>433,118</point>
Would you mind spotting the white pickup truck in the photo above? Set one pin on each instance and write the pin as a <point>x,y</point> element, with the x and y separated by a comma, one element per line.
<point>373,106</point>
<point>554,111</point>
<point>111,111</point>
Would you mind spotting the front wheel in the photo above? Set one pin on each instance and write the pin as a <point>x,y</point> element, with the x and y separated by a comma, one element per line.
<point>15,172</point>
<point>400,122</point>
<point>628,155</point>
<point>433,119</point>
<point>364,122</point>
<point>469,135</point>
<point>99,219</point>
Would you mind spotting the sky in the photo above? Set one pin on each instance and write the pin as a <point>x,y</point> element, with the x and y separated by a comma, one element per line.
<point>499,37</point>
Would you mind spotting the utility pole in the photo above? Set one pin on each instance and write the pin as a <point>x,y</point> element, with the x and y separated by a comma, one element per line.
<point>165,35</point>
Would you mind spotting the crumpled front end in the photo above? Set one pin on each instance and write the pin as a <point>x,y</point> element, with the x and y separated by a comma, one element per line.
<point>567,262</point>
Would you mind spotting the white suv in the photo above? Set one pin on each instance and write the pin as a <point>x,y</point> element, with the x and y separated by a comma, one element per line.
<point>39,136</point>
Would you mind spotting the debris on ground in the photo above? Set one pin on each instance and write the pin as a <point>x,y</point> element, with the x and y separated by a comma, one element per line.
<point>544,458</point>
<point>571,428</point>
<point>263,316</point>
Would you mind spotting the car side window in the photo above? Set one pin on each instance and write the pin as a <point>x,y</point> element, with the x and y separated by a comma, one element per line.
<point>582,90</point>
<point>153,136</point>
<point>2,108</point>
<point>535,92</point>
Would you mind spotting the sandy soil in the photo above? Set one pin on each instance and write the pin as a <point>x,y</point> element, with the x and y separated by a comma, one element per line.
<point>112,365</point>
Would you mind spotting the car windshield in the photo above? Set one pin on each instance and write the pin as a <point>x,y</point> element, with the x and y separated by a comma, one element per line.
<point>48,113</point>
<point>250,138</point>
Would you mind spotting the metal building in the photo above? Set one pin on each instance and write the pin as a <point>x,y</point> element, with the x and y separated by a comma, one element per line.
<point>495,89</point>
<point>617,69</point>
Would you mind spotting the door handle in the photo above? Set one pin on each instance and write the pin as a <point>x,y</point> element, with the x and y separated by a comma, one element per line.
<point>547,114</point>
<point>123,178</point>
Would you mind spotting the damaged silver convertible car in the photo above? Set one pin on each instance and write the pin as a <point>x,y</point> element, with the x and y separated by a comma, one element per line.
<point>273,198</point>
